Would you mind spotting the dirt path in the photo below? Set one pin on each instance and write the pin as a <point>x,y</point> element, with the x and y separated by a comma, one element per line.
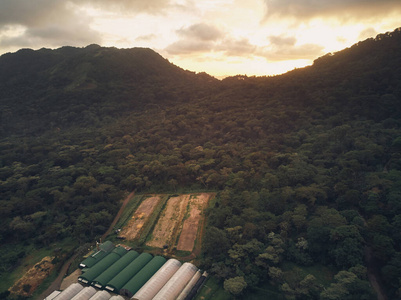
<point>117,217</point>
<point>57,282</point>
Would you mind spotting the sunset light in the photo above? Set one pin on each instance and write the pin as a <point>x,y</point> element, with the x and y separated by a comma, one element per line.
<point>224,37</point>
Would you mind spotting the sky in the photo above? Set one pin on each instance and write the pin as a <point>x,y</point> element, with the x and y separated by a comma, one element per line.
<point>219,37</point>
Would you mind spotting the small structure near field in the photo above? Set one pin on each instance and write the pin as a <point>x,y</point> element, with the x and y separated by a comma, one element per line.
<point>104,249</point>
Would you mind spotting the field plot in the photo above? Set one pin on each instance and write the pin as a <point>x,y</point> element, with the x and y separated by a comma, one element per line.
<point>167,225</point>
<point>191,224</point>
<point>141,215</point>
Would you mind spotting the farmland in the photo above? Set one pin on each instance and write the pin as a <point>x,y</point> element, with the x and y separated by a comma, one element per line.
<point>166,221</point>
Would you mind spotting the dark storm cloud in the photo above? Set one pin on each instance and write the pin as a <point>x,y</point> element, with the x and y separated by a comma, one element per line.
<point>355,9</point>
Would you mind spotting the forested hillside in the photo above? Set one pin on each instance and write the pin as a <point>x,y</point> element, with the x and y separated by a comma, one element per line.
<point>307,165</point>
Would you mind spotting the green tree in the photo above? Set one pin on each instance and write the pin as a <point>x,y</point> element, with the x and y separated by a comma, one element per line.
<point>235,285</point>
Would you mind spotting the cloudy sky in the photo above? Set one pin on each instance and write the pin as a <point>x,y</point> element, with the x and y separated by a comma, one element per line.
<point>220,37</point>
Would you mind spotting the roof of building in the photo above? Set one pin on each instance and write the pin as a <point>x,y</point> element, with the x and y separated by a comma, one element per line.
<point>84,294</point>
<point>158,280</point>
<point>70,292</point>
<point>102,265</point>
<point>107,275</point>
<point>128,272</point>
<point>136,282</point>
<point>177,283</point>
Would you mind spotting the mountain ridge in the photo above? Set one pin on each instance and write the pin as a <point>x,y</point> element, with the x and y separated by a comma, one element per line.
<point>306,165</point>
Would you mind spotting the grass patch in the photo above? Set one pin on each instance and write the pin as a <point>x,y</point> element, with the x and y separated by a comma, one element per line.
<point>129,210</point>
<point>213,290</point>
<point>181,253</point>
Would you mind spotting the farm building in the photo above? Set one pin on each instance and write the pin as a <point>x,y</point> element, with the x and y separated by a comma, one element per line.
<point>197,286</point>
<point>112,271</point>
<point>128,272</point>
<point>136,282</point>
<point>98,255</point>
<point>53,295</point>
<point>177,282</point>
<point>117,297</point>
<point>189,286</point>
<point>101,295</point>
<point>69,292</point>
<point>85,294</point>
<point>102,265</point>
<point>158,280</point>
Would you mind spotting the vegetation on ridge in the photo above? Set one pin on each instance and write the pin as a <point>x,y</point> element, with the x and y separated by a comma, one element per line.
<point>307,164</point>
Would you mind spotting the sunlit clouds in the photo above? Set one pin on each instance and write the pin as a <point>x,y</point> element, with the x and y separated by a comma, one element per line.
<point>220,37</point>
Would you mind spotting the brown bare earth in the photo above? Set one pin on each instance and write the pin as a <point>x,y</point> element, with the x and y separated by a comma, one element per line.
<point>70,279</point>
<point>167,225</point>
<point>27,284</point>
<point>190,227</point>
<point>141,215</point>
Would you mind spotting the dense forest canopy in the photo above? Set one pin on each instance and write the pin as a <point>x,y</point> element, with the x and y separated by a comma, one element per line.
<point>307,164</point>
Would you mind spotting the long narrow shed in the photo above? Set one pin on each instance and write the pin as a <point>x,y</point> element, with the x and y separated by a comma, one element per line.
<point>158,280</point>
<point>101,266</point>
<point>85,294</point>
<point>69,292</point>
<point>136,282</point>
<point>128,272</point>
<point>112,271</point>
<point>177,282</point>
<point>189,286</point>
<point>98,255</point>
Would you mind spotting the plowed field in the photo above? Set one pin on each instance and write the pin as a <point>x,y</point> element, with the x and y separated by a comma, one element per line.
<point>169,222</point>
<point>191,224</point>
<point>141,215</point>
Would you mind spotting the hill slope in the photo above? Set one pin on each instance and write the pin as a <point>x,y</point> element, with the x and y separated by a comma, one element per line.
<point>307,163</point>
<point>84,85</point>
